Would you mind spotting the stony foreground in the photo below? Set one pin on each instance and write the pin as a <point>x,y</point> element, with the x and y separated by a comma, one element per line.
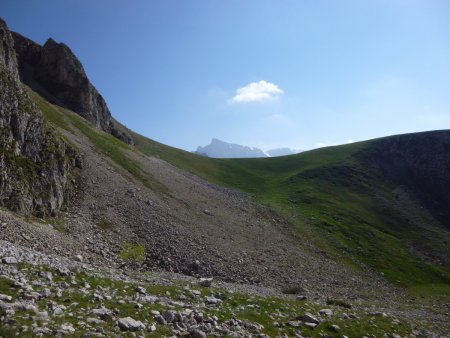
<point>47,296</point>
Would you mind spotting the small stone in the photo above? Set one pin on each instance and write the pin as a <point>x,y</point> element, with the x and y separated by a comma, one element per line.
<point>198,334</point>
<point>78,258</point>
<point>253,327</point>
<point>103,313</point>
<point>47,275</point>
<point>45,293</point>
<point>58,311</point>
<point>94,321</point>
<point>141,290</point>
<point>309,318</point>
<point>335,328</point>
<point>66,329</point>
<point>160,319</point>
<point>311,325</point>
<point>326,312</point>
<point>9,260</point>
<point>206,282</point>
<point>151,328</point>
<point>63,271</point>
<point>5,298</point>
<point>169,316</point>
<point>212,300</point>
<point>301,297</point>
<point>129,324</point>
<point>34,296</point>
<point>294,323</point>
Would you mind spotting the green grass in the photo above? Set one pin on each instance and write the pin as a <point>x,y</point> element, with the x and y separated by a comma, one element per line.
<point>133,253</point>
<point>51,113</point>
<point>7,287</point>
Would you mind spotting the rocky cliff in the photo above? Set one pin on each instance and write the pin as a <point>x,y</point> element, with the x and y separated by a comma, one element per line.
<point>36,166</point>
<point>7,55</point>
<point>55,72</point>
<point>420,162</point>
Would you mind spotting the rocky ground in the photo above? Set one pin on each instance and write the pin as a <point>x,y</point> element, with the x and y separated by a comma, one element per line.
<point>47,295</point>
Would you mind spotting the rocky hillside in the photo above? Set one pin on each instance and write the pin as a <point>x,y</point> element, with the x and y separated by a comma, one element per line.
<point>53,71</point>
<point>421,163</point>
<point>36,165</point>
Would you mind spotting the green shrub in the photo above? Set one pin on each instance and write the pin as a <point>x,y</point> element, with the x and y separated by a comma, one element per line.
<point>133,253</point>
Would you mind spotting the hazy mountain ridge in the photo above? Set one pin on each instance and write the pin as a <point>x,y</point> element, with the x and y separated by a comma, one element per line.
<point>222,149</point>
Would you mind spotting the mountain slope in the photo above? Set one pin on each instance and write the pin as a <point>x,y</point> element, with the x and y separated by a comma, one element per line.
<point>350,200</point>
<point>181,218</point>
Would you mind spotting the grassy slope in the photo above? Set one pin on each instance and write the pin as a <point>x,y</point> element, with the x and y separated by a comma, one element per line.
<point>325,193</point>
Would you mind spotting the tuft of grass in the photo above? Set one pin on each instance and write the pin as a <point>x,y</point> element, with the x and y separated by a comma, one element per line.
<point>104,224</point>
<point>293,290</point>
<point>339,302</point>
<point>133,253</point>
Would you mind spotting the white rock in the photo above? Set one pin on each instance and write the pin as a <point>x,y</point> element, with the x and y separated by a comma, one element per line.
<point>5,298</point>
<point>9,260</point>
<point>326,312</point>
<point>129,324</point>
<point>309,318</point>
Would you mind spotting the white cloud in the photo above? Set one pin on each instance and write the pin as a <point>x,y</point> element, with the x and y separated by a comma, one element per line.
<point>257,92</point>
<point>350,141</point>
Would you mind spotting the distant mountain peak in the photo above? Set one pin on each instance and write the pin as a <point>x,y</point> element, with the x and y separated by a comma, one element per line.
<point>221,149</point>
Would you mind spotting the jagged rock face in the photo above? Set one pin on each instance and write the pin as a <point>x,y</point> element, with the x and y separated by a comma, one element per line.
<point>7,54</point>
<point>55,72</point>
<point>36,165</point>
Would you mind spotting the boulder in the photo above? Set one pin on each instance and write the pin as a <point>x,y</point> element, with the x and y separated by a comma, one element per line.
<point>129,324</point>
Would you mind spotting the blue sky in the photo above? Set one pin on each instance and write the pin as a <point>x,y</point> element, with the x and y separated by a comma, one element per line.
<point>261,73</point>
